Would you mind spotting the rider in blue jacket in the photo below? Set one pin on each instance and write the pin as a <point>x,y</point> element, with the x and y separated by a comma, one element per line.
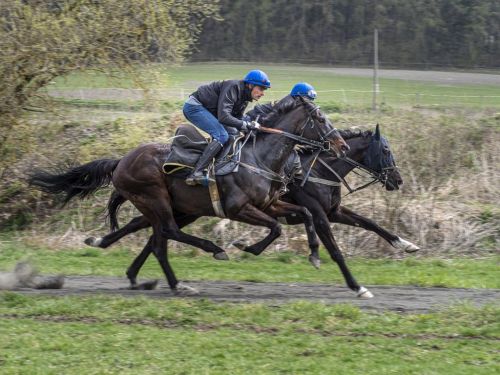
<point>218,108</point>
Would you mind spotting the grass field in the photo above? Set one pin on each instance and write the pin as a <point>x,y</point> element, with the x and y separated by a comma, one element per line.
<point>278,267</point>
<point>113,335</point>
<point>179,81</point>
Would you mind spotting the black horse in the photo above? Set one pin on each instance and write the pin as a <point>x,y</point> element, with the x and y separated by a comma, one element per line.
<point>320,194</point>
<point>139,178</point>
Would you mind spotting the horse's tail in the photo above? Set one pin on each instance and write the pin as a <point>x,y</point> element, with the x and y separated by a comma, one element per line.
<point>77,181</point>
<point>114,203</point>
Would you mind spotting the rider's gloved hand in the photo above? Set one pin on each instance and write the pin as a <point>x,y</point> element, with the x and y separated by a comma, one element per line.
<point>250,125</point>
<point>254,125</point>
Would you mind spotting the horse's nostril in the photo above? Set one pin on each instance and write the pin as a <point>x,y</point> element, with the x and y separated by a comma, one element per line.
<point>345,147</point>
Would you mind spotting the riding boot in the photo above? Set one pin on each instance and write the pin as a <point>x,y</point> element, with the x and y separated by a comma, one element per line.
<point>197,177</point>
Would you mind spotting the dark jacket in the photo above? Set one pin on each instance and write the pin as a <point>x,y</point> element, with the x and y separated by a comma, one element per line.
<point>226,100</point>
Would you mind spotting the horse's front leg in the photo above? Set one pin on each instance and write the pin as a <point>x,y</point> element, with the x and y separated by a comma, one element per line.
<point>251,215</point>
<point>302,214</point>
<point>284,209</point>
<point>345,216</point>
<point>325,234</point>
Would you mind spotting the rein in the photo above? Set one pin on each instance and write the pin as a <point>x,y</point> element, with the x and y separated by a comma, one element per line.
<point>316,144</point>
<point>382,177</point>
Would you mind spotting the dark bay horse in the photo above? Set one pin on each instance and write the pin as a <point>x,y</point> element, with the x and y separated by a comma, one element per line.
<point>138,177</point>
<point>321,195</point>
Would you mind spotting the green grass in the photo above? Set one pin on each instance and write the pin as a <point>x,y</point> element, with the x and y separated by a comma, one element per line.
<point>277,267</point>
<point>116,335</point>
<point>348,90</point>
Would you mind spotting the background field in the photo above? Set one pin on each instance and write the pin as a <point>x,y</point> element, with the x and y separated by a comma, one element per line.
<point>446,141</point>
<point>175,83</point>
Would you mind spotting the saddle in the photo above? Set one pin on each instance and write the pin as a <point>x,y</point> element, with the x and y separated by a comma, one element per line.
<point>188,145</point>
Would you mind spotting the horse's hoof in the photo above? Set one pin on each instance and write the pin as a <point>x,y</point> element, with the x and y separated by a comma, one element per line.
<point>148,285</point>
<point>315,261</point>
<point>364,293</point>
<point>240,244</point>
<point>407,246</point>
<point>92,241</point>
<point>185,290</point>
<point>221,256</point>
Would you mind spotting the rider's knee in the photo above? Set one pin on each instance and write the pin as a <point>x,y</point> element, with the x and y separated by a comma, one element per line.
<point>222,136</point>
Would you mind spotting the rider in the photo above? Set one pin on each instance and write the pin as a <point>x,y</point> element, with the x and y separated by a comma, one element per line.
<point>299,89</point>
<point>218,108</point>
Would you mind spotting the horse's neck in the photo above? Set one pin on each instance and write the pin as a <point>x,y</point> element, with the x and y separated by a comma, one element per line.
<point>359,147</point>
<point>273,151</point>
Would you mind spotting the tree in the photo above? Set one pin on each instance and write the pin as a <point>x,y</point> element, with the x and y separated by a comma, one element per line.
<point>44,39</point>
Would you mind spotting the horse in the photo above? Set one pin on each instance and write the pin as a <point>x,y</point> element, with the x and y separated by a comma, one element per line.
<point>318,190</point>
<point>250,195</point>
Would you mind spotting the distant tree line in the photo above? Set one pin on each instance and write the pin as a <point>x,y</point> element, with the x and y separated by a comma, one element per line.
<point>418,33</point>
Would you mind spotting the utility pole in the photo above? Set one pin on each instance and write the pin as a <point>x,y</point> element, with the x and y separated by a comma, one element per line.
<point>376,87</point>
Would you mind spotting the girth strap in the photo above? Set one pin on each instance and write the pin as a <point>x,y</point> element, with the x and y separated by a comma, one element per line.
<point>214,195</point>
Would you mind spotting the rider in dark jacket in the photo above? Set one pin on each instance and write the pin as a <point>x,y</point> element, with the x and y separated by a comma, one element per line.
<point>218,105</point>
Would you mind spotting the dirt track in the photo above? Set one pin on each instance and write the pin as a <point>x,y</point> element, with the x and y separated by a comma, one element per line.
<point>411,299</point>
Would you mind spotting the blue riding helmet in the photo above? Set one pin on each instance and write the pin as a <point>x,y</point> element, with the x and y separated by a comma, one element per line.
<point>303,89</point>
<point>257,77</point>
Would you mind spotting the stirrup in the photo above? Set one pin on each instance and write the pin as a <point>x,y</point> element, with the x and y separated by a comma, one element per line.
<point>202,180</point>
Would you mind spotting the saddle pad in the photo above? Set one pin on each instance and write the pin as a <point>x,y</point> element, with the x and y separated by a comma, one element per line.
<point>187,147</point>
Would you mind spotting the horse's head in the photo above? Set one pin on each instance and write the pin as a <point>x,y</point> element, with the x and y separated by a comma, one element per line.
<point>379,159</point>
<point>300,116</point>
<point>327,132</point>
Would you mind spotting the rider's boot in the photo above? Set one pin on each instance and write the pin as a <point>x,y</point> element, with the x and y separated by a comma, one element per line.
<point>197,177</point>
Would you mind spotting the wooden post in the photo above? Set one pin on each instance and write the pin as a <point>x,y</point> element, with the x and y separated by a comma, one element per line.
<point>376,87</point>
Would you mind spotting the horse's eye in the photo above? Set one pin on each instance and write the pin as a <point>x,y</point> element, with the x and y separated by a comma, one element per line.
<point>386,150</point>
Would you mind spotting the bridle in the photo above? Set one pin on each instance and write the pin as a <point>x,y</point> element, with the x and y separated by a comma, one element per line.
<point>382,176</point>
<point>320,146</point>
<point>323,144</point>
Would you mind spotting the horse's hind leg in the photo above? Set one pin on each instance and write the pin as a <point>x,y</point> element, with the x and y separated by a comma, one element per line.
<point>139,260</point>
<point>134,225</point>
<point>157,210</point>
<point>159,213</point>
<point>345,216</point>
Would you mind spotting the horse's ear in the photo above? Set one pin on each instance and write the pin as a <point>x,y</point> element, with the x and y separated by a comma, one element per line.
<point>377,132</point>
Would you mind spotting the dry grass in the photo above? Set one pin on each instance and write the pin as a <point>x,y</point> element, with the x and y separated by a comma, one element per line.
<point>448,206</point>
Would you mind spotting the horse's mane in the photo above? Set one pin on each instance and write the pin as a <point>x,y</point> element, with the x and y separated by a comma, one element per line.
<point>353,133</point>
<point>285,105</point>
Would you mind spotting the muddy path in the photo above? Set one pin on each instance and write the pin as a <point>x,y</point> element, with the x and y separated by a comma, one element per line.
<point>394,298</point>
